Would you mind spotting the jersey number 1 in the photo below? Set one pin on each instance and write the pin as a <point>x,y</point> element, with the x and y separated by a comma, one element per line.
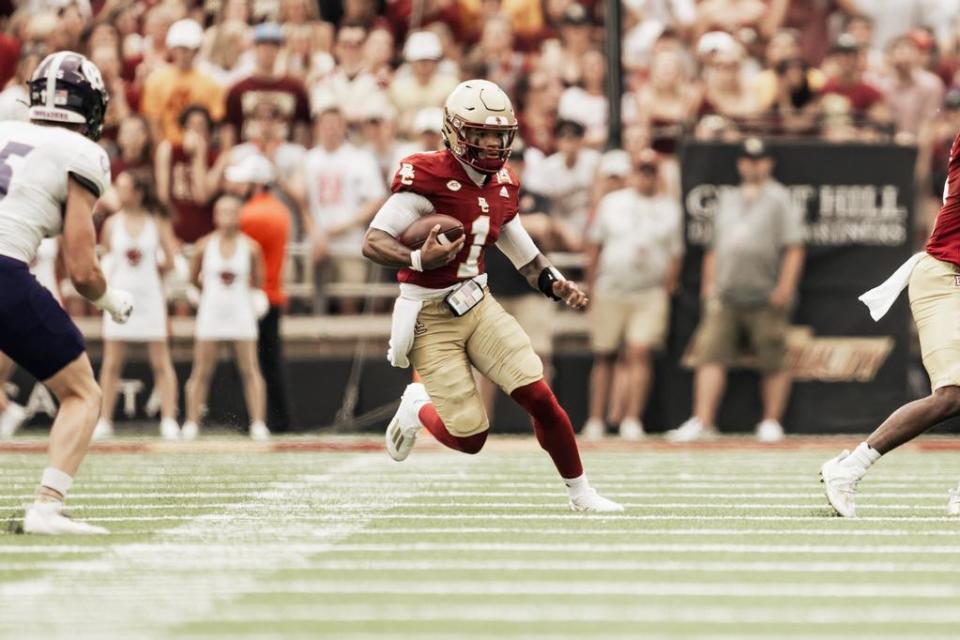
<point>479,231</point>
<point>6,171</point>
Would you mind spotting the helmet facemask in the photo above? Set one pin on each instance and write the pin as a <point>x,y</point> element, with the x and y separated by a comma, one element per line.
<point>468,144</point>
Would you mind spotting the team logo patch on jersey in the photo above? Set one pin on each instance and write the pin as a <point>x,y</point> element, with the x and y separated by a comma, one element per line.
<point>227,277</point>
<point>503,192</point>
<point>453,185</point>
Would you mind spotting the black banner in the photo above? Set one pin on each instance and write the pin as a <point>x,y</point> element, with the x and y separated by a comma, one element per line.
<point>858,202</point>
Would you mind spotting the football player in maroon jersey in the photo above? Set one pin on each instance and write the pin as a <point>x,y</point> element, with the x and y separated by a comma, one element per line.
<point>445,319</point>
<point>934,281</point>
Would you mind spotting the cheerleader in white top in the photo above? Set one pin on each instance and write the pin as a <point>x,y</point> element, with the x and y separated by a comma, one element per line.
<point>139,245</point>
<point>227,266</point>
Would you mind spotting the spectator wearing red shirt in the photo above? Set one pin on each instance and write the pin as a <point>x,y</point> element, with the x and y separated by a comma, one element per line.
<point>188,173</point>
<point>286,93</point>
<point>267,220</point>
<point>847,80</point>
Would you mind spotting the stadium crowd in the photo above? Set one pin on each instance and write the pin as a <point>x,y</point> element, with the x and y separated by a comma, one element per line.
<point>333,94</point>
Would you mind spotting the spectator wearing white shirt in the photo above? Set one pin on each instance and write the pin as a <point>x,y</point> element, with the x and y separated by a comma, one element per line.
<point>633,261</point>
<point>588,104</point>
<point>342,188</point>
<point>427,85</point>
<point>566,178</point>
<point>350,83</point>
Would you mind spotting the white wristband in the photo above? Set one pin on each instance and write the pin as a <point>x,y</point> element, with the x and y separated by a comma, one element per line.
<point>415,262</point>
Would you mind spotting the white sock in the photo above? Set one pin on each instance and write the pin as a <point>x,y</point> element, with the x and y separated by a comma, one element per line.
<point>257,424</point>
<point>862,458</point>
<point>57,480</point>
<point>578,485</point>
<point>420,404</point>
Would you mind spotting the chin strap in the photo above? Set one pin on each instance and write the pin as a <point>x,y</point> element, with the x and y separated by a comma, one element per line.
<point>545,281</point>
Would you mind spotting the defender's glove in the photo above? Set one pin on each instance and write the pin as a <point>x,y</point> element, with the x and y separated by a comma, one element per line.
<point>118,303</point>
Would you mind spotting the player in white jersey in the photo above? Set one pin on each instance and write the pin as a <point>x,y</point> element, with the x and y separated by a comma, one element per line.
<point>51,174</point>
<point>228,267</point>
<point>140,245</point>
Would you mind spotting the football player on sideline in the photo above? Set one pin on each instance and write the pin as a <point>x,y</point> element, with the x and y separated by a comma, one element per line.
<point>933,277</point>
<point>51,174</point>
<point>445,318</point>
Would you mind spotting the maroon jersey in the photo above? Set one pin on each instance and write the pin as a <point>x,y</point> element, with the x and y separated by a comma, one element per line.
<point>191,220</point>
<point>285,98</point>
<point>944,242</point>
<point>439,177</point>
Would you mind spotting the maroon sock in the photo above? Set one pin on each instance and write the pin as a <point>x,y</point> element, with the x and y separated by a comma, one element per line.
<point>468,444</point>
<point>552,426</point>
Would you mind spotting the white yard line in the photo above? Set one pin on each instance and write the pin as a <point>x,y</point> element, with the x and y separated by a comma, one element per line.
<point>206,560</point>
<point>593,548</point>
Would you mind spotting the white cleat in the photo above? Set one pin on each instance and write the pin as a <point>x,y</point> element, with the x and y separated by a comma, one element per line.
<point>103,430</point>
<point>402,431</point>
<point>593,429</point>
<point>189,431</point>
<point>259,432</point>
<point>769,431</point>
<point>591,501</point>
<point>953,504</point>
<point>840,485</point>
<point>690,431</point>
<point>47,518</point>
<point>632,429</point>
<point>11,419</point>
<point>169,429</point>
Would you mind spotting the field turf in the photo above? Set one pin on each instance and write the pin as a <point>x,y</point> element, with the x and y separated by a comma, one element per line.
<point>723,542</point>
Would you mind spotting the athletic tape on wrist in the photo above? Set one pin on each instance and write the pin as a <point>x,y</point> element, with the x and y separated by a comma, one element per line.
<point>57,480</point>
<point>545,281</point>
<point>416,262</point>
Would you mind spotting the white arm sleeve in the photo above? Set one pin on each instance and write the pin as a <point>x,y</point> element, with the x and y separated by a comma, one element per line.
<point>400,211</point>
<point>516,243</point>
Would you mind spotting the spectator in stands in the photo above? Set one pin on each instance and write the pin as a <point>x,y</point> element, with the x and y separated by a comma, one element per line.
<point>134,146</point>
<point>340,188</point>
<point>124,97</point>
<point>227,60</point>
<point>494,57</point>
<point>665,105</point>
<point>788,89</point>
<point>846,80</point>
<point>188,175</point>
<point>538,97</point>
<point>285,94</point>
<point>267,220</point>
<point>725,92</point>
<point>172,88</point>
<point>428,128</point>
<point>912,94</point>
<point>750,275</point>
<point>378,53</point>
<point>306,54</point>
<point>425,86</point>
<point>633,263</point>
<point>811,19</point>
<point>566,178</point>
<point>350,83</point>
<point>14,99</point>
<point>893,19</point>
<point>873,60</point>
<point>380,136</point>
<point>587,103</point>
<point>943,132</point>
<point>730,16</point>
<point>576,38</point>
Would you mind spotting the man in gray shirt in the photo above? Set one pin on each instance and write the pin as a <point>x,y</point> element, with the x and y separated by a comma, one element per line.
<point>750,275</point>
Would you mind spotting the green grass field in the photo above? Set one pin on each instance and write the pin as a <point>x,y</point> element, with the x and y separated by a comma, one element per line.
<point>724,542</point>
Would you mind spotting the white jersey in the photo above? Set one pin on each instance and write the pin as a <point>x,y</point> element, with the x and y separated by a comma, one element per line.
<point>44,267</point>
<point>226,304</point>
<point>338,184</point>
<point>35,162</point>
<point>132,267</point>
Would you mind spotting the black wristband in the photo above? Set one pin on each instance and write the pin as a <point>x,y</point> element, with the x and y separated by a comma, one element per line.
<point>545,282</point>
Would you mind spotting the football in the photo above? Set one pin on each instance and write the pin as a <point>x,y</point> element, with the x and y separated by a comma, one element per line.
<point>416,234</point>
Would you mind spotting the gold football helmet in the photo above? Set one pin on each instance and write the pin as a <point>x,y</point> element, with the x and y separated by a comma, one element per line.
<point>475,109</point>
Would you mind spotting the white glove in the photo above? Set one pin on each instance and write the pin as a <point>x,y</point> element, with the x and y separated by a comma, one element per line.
<point>118,303</point>
<point>260,303</point>
<point>193,296</point>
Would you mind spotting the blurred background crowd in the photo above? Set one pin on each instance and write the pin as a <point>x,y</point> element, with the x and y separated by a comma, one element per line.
<point>304,108</point>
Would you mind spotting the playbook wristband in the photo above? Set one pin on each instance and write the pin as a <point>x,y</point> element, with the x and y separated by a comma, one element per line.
<point>545,281</point>
<point>416,261</point>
